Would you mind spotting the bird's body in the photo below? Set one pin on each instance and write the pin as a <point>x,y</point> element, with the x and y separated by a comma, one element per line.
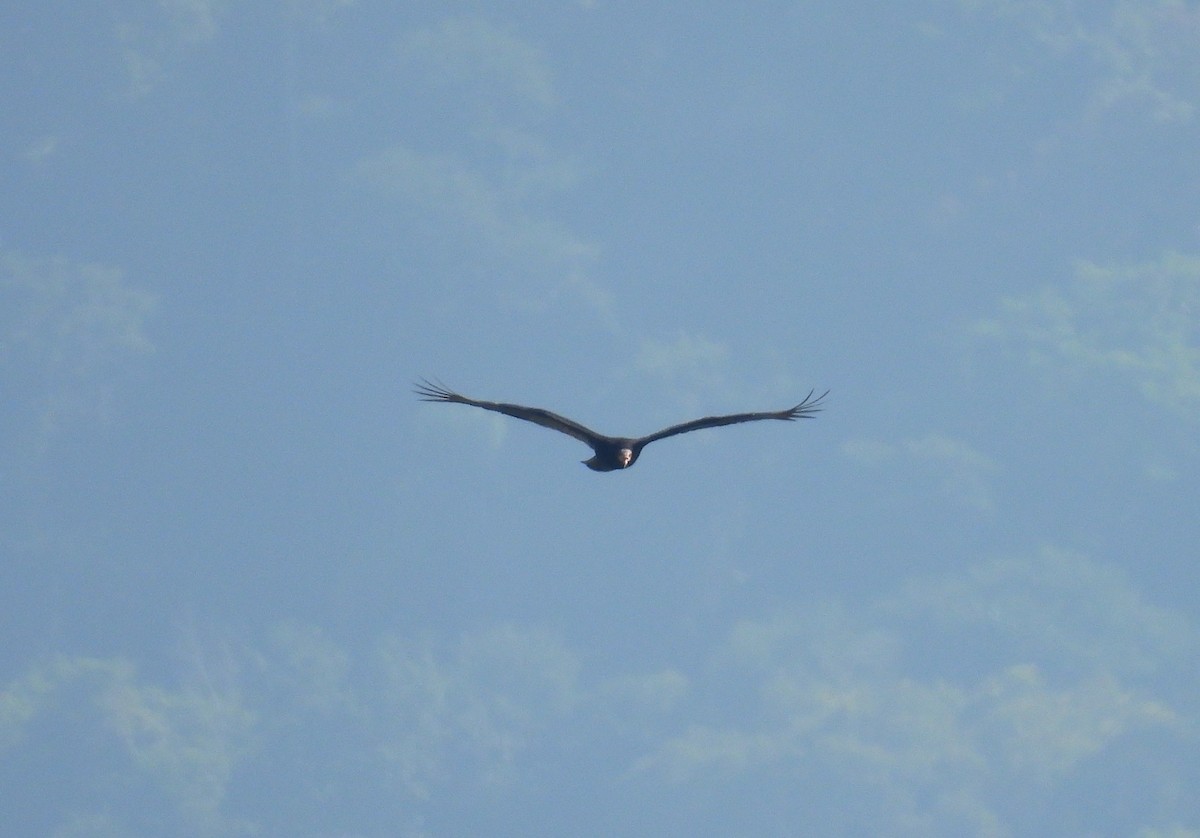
<point>611,453</point>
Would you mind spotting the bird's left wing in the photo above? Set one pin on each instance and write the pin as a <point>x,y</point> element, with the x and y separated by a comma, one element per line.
<point>804,410</point>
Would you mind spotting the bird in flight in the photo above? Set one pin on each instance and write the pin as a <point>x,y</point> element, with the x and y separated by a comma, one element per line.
<point>613,452</point>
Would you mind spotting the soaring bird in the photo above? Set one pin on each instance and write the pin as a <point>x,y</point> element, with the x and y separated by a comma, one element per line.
<point>613,452</point>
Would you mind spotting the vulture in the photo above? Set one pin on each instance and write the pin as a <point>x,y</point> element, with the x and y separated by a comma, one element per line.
<point>612,453</point>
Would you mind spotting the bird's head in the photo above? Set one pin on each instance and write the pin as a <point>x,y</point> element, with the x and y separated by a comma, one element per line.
<point>625,457</point>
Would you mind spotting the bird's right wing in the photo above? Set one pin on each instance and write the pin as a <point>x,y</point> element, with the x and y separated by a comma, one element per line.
<point>431,392</point>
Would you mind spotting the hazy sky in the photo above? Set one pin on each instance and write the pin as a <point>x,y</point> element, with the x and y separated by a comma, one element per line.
<point>251,586</point>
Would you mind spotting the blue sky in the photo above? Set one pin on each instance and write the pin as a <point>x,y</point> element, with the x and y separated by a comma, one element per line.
<point>251,586</point>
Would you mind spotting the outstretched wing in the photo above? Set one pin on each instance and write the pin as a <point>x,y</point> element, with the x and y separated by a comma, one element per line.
<point>804,410</point>
<point>431,392</point>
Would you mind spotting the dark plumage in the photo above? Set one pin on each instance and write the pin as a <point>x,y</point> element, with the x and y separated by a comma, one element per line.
<point>614,452</point>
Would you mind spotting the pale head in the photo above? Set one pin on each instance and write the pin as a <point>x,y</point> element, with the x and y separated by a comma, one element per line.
<point>625,457</point>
